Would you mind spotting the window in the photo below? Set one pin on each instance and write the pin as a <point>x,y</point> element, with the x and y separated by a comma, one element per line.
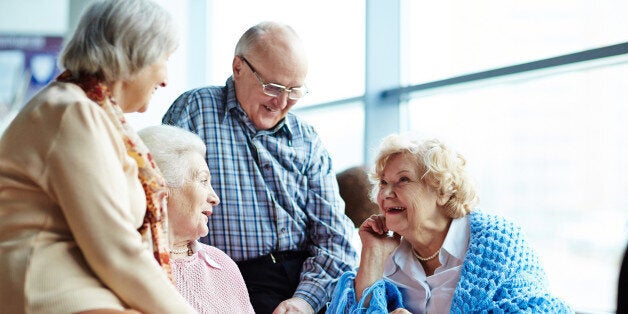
<point>341,128</point>
<point>452,37</point>
<point>548,148</point>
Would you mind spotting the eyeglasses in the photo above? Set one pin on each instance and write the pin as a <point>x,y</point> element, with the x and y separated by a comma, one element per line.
<point>275,90</point>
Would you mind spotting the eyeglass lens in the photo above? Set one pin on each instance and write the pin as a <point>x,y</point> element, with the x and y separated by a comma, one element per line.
<point>276,90</point>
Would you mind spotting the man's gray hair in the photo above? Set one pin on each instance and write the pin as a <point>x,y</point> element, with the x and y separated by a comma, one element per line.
<point>117,38</point>
<point>250,37</point>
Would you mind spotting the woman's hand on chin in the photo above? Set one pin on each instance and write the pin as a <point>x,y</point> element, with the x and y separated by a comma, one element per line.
<point>376,237</point>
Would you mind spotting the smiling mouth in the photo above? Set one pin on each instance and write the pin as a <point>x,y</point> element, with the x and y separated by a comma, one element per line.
<point>395,210</point>
<point>269,109</point>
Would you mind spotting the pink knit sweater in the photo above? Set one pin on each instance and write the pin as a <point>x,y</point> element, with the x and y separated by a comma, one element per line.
<point>211,281</point>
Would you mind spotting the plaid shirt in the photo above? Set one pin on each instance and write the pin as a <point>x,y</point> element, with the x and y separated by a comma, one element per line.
<point>277,188</point>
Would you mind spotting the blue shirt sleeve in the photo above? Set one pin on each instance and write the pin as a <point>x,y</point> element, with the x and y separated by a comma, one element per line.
<point>329,229</point>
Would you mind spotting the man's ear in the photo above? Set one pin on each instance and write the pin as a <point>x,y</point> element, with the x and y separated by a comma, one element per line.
<point>236,66</point>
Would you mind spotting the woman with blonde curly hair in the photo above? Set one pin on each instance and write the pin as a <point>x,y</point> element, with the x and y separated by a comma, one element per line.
<point>431,250</point>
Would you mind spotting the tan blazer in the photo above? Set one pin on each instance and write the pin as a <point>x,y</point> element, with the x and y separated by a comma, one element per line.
<point>70,205</point>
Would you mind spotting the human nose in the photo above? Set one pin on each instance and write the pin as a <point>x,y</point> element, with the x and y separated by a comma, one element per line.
<point>282,99</point>
<point>387,191</point>
<point>212,198</point>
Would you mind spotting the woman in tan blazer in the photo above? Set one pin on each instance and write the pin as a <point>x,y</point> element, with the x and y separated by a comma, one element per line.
<point>81,203</point>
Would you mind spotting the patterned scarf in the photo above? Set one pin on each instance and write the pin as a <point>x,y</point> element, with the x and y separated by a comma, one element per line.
<point>154,227</point>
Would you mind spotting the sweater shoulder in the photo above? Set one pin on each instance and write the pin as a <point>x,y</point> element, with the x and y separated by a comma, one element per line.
<point>484,225</point>
<point>218,255</point>
<point>494,240</point>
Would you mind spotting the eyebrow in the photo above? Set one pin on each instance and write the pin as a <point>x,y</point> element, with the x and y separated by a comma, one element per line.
<point>263,81</point>
<point>199,172</point>
<point>401,172</point>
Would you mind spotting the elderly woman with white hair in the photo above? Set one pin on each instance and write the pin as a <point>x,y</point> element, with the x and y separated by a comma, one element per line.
<point>208,278</point>
<point>430,251</point>
<point>81,204</point>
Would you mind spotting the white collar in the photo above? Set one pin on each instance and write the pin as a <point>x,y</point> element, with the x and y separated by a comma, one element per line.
<point>455,245</point>
<point>457,239</point>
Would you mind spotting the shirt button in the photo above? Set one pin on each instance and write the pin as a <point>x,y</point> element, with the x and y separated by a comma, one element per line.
<point>266,166</point>
<point>283,230</point>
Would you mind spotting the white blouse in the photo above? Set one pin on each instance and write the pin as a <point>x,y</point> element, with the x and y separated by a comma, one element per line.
<point>433,294</point>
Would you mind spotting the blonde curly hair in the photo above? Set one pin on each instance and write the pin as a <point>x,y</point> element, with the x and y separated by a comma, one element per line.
<point>442,169</point>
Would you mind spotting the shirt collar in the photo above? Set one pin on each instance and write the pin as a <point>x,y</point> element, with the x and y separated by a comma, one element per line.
<point>457,239</point>
<point>231,95</point>
<point>455,244</point>
<point>403,260</point>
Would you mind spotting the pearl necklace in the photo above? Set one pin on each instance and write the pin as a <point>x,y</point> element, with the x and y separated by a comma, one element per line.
<point>424,259</point>
<point>187,250</point>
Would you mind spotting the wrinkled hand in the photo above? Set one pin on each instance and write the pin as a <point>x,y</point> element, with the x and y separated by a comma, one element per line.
<point>374,235</point>
<point>294,305</point>
<point>400,311</point>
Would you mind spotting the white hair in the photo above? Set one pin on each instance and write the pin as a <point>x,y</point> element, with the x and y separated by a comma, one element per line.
<point>115,39</point>
<point>169,145</point>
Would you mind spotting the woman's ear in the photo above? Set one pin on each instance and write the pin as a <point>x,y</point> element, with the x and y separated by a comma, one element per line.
<point>443,198</point>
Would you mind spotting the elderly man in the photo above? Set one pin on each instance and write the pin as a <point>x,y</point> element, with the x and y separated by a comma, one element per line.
<point>281,217</point>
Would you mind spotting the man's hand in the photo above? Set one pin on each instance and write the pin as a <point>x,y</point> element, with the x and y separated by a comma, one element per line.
<point>294,305</point>
<point>400,311</point>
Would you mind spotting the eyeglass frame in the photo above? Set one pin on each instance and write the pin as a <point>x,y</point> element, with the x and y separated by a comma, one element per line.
<point>278,86</point>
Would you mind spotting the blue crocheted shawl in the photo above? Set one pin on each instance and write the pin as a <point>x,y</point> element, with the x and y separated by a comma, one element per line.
<point>501,273</point>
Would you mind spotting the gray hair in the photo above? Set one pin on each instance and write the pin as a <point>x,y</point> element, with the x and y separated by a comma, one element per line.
<point>253,34</point>
<point>168,144</point>
<point>117,38</point>
<point>440,167</point>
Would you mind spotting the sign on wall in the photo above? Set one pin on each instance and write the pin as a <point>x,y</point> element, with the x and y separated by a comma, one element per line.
<point>27,64</point>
